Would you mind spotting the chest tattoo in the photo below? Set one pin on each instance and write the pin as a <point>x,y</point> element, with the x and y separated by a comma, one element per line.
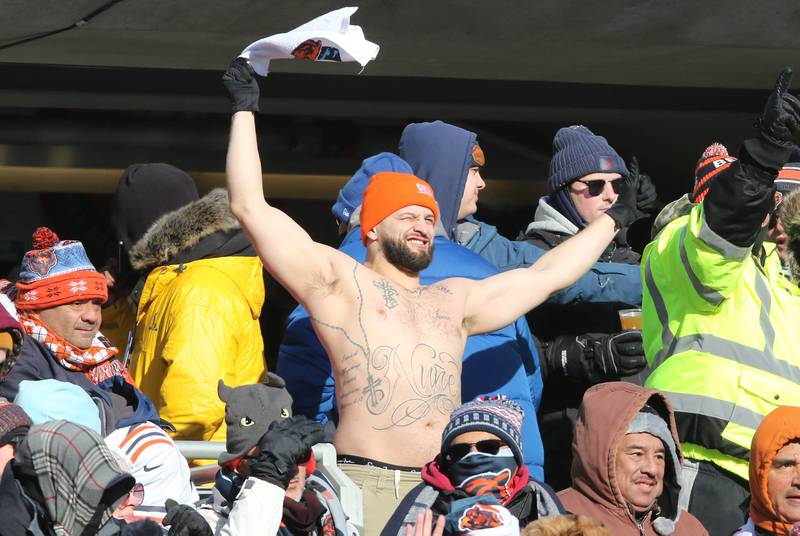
<point>398,387</point>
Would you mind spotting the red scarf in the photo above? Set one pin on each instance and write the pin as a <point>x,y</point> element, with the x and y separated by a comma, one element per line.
<point>96,361</point>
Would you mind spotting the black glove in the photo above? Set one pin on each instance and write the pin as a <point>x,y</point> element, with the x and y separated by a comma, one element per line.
<point>624,211</point>
<point>183,520</point>
<point>780,121</point>
<point>592,358</point>
<point>646,195</point>
<point>286,443</point>
<point>242,86</point>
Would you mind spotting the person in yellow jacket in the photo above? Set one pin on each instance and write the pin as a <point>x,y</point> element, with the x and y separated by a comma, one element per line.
<point>198,309</point>
<point>720,320</point>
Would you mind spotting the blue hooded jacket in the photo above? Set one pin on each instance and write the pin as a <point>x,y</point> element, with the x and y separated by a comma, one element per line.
<point>446,167</point>
<point>502,362</point>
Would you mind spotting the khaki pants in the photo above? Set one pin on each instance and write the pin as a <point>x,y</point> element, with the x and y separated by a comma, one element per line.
<point>382,490</point>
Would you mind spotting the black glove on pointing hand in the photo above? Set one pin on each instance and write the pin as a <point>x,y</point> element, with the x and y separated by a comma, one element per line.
<point>780,120</point>
<point>624,212</point>
<point>646,196</point>
<point>183,520</point>
<point>242,86</point>
<point>592,358</point>
<point>286,443</point>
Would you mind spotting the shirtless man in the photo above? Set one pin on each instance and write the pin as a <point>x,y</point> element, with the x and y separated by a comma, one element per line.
<point>395,346</point>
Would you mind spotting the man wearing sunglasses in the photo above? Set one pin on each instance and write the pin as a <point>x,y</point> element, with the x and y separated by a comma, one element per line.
<point>582,342</point>
<point>480,465</point>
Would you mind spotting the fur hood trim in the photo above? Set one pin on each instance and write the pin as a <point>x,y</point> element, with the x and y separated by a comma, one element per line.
<point>182,229</point>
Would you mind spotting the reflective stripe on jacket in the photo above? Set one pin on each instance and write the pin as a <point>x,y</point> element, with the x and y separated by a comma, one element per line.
<point>721,332</point>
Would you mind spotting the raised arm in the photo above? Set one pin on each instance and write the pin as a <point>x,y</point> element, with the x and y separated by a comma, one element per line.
<point>498,300</point>
<point>287,251</point>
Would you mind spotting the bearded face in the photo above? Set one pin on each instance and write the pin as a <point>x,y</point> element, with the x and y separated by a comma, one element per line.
<point>398,252</point>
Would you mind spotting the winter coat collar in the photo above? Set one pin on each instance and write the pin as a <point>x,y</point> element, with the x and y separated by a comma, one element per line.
<point>549,219</point>
<point>181,230</point>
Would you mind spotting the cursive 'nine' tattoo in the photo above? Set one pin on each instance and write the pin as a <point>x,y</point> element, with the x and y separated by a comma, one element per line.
<point>430,379</point>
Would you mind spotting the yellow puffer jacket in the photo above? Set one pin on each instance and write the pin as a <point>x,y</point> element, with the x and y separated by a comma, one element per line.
<point>118,321</point>
<point>196,323</point>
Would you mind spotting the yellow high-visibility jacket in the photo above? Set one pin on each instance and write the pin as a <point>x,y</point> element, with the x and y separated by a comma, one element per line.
<point>721,331</point>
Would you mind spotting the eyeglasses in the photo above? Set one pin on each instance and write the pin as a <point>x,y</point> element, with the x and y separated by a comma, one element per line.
<point>596,186</point>
<point>487,446</point>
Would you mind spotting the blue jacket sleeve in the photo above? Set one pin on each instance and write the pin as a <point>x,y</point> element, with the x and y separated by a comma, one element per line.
<point>306,369</point>
<point>530,360</point>
<point>605,282</point>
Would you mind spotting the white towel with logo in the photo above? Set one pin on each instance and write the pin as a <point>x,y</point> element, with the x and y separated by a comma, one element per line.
<point>329,37</point>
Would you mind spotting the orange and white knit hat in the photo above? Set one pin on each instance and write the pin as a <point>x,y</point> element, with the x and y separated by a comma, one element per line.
<point>56,272</point>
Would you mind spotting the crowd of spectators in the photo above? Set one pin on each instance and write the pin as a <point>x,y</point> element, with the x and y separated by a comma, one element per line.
<point>489,388</point>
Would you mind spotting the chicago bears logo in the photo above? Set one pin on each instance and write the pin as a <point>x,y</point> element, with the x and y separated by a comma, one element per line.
<point>307,50</point>
<point>485,483</point>
<point>41,262</point>
<point>312,50</point>
<point>479,516</point>
<point>606,163</point>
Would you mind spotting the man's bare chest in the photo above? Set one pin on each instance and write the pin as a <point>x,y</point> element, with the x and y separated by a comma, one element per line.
<point>397,353</point>
<point>428,314</point>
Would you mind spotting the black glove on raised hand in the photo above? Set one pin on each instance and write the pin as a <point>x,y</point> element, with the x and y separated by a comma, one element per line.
<point>286,443</point>
<point>780,121</point>
<point>646,195</point>
<point>183,520</point>
<point>596,357</point>
<point>624,211</point>
<point>240,81</point>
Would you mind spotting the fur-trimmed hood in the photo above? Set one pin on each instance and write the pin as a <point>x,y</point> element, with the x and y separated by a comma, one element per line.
<point>181,230</point>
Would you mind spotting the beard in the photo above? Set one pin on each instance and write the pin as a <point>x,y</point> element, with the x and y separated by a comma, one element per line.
<point>400,255</point>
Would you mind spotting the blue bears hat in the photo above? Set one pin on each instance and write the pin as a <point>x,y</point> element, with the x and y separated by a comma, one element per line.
<point>352,194</point>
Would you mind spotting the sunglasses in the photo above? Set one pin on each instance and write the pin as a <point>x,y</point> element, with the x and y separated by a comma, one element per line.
<point>487,446</point>
<point>596,186</point>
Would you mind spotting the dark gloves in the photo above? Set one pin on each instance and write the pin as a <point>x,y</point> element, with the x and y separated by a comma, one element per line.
<point>596,357</point>
<point>242,86</point>
<point>780,121</point>
<point>183,520</point>
<point>646,195</point>
<point>624,211</point>
<point>286,443</point>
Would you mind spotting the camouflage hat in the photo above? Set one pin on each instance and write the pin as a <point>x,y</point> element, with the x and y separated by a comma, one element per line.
<point>673,211</point>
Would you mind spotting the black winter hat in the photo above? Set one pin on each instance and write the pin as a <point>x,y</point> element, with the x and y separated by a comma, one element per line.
<point>144,193</point>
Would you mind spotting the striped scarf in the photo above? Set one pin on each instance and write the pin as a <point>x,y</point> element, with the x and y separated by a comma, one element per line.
<point>94,361</point>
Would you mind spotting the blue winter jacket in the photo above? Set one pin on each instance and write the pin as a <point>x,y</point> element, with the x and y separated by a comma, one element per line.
<point>502,362</point>
<point>606,282</point>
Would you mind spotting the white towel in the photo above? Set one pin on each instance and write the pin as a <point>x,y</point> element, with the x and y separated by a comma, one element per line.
<point>329,37</point>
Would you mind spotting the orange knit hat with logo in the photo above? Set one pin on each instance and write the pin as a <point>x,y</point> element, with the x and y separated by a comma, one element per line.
<point>56,272</point>
<point>389,191</point>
